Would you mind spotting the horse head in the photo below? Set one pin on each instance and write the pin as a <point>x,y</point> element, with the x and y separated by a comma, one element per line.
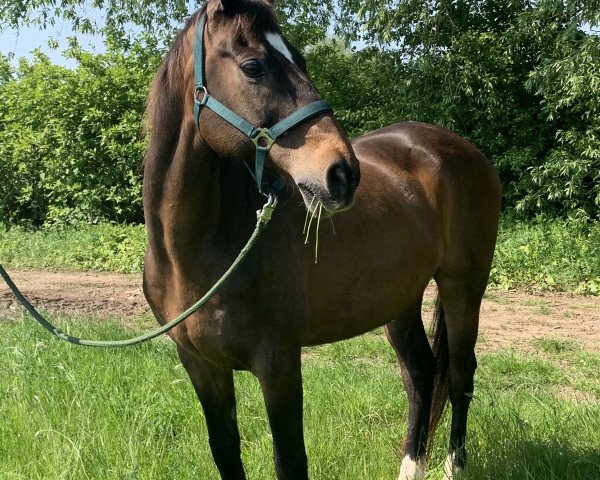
<point>253,70</point>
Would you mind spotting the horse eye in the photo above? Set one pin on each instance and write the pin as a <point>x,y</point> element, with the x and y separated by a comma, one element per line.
<point>252,68</point>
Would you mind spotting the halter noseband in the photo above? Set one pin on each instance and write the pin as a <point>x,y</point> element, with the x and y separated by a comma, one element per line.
<point>263,138</point>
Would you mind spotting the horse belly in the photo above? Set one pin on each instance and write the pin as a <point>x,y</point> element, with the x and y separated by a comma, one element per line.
<point>381,257</point>
<point>354,290</point>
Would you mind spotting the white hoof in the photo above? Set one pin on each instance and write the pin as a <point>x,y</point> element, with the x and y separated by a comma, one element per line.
<point>451,471</point>
<point>412,469</point>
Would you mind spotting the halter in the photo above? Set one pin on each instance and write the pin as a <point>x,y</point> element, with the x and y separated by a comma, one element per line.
<point>263,138</point>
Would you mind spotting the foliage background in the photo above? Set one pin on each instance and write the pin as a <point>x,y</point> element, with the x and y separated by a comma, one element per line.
<point>519,78</point>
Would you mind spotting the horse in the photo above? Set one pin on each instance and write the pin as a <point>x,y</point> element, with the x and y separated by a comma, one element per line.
<point>411,202</point>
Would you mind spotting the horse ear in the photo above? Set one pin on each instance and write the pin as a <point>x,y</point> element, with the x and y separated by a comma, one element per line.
<point>226,6</point>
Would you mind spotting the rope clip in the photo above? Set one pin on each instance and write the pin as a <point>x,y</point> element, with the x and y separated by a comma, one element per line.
<point>265,214</point>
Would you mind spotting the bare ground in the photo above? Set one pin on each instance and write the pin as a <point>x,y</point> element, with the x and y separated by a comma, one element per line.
<point>508,319</point>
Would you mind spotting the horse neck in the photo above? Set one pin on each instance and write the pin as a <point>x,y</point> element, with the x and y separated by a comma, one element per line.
<point>194,198</point>
<point>235,196</point>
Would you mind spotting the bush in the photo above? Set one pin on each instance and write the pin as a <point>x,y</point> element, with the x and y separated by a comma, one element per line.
<point>70,140</point>
<point>548,254</point>
<point>102,247</point>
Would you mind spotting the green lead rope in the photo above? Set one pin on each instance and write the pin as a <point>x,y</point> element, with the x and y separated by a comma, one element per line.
<point>264,215</point>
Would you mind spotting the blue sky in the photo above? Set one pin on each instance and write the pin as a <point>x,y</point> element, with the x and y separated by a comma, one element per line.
<point>22,43</point>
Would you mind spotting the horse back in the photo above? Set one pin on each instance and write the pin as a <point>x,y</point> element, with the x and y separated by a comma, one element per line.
<point>418,147</point>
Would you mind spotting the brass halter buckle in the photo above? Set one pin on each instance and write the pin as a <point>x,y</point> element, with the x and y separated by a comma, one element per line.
<point>262,139</point>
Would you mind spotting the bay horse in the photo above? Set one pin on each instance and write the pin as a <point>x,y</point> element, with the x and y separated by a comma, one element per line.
<point>425,205</point>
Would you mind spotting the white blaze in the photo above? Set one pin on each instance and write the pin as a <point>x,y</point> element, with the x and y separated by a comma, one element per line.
<point>278,44</point>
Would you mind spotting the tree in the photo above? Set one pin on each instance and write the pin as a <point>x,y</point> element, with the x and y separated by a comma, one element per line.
<point>519,78</point>
<point>71,140</point>
<point>569,84</point>
<point>112,18</point>
<point>120,21</point>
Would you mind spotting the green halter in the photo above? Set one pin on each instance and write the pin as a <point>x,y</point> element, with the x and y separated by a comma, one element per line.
<point>263,138</point>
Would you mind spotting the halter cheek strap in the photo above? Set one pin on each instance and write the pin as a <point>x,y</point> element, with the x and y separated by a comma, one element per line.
<point>263,138</point>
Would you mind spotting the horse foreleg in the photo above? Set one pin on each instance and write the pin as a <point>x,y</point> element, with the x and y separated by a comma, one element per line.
<point>215,390</point>
<point>407,335</point>
<point>278,370</point>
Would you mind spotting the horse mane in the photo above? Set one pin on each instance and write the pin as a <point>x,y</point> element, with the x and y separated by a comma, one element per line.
<point>164,107</point>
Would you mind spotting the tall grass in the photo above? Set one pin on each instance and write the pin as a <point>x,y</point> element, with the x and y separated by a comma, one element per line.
<point>74,413</point>
<point>548,255</point>
<point>118,248</point>
<point>539,255</point>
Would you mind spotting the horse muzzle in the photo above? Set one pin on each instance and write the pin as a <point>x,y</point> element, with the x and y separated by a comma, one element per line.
<point>335,191</point>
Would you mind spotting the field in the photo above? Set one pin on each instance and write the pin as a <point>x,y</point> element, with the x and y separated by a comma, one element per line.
<point>74,413</point>
<point>518,79</point>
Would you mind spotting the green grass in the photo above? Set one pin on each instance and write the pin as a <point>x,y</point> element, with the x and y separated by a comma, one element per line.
<point>540,255</point>
<point>118,248</point>
<point>548,255</point>
<point>74,413</point>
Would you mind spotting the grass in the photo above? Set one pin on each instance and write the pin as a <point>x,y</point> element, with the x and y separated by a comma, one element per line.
<point>74,413</point>
<point>548,255</point>
<point>540,255</point>
<point>102,247</point>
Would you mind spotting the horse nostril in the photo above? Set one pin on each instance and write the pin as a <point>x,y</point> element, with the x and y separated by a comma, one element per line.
<point>340,180</point>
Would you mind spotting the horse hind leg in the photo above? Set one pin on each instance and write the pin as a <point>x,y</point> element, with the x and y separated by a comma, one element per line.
<point>461,301</point>
<point>215,390</point>
<point>407,336</point>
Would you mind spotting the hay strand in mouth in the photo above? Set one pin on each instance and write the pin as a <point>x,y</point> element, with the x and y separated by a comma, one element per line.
<point>311,213</point>
<point>312,216</point>
<point>308,212</point>
<point>317,233</point>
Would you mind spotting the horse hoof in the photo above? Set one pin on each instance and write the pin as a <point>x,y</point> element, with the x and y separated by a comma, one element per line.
<point>412,469</point>
<point>451,470</point>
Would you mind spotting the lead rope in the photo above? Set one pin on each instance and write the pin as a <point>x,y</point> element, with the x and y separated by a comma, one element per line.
<point>264,215</point>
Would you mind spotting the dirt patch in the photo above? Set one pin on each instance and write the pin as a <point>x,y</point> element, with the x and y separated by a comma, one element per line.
<point>508,319</point>
<point>79,293</point>
<point>520,320</point>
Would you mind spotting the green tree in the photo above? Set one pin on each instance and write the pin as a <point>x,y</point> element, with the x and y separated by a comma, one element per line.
<point>304,22</point>
<point>517,77</point>
<point>115,19</point>
<point>569,84</point>
<point>360,85</point>
<point>71,140</point>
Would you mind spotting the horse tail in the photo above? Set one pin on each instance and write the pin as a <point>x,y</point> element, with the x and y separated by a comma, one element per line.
<point>442,359</point>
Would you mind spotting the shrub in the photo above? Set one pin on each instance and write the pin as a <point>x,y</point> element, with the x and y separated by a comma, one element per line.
<point>70,140</point>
